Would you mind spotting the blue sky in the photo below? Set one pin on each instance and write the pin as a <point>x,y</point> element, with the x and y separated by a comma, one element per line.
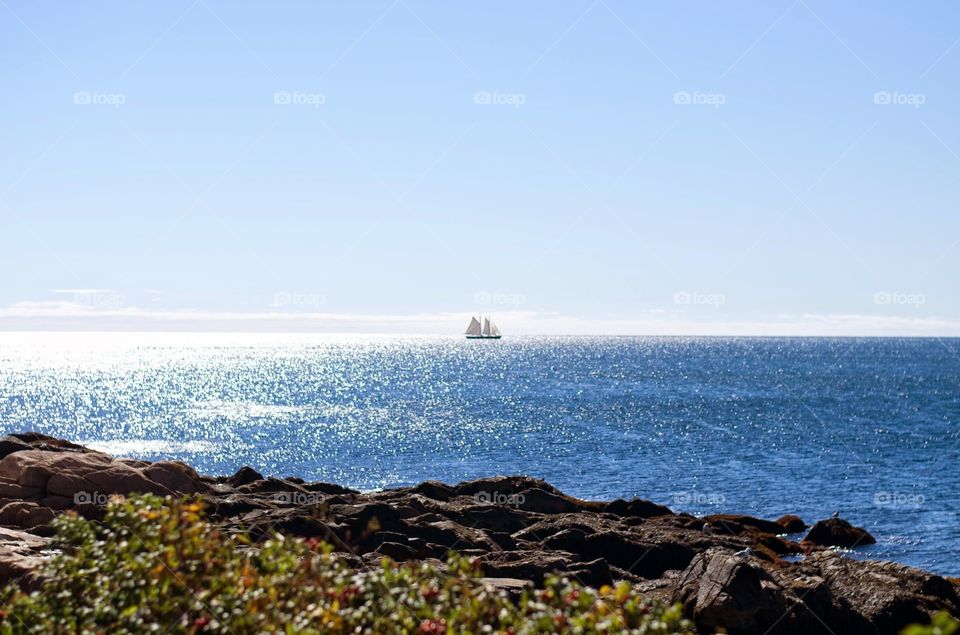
<point>586,167</point>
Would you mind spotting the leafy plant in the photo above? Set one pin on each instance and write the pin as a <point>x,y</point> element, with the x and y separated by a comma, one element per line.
<point>157,565</point>
<point>941,624</point>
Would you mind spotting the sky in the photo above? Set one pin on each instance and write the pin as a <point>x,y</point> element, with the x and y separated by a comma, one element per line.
<point>785,167</point>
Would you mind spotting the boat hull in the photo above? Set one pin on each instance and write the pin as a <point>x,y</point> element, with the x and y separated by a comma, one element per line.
<point>484,337</point>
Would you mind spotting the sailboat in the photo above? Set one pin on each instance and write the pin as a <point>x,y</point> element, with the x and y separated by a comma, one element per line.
<point>488,331</point>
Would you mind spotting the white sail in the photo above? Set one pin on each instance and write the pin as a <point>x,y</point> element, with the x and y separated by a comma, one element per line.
<point>495,330</point>
<point>486,326</point>
<point>474,328</point>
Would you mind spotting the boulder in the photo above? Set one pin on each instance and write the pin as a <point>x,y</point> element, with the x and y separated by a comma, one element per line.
<point>10,444</point>
<point>57,503</point>
<point>636,508</point>
<point>17,491</point>
<point>120,479</point>
<point>397,551</point>
<point>176,476</point>
<point>791,524</point>
<point>543,502</point>
<point>36,516</point>
<point>21,555</point>
<point>43,464</point>
<point>11,513</point>
<point>740,520</point>
<point>886,595</point>
<point>244,476</point>
<point>722,590</point>
<point>836,532</point>
<point>435,490</point>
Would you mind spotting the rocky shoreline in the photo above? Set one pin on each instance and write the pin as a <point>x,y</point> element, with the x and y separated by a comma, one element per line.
<point>733,571</point>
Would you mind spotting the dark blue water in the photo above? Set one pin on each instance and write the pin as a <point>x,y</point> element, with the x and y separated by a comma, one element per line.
<point>761,426</point>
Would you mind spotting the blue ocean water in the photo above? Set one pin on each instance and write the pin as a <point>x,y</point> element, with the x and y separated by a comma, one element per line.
<point>764,426</point>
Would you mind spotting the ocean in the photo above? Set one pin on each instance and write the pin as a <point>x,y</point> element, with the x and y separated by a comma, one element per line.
<point>763,426</point>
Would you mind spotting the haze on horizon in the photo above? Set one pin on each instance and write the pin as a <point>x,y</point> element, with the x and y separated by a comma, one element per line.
<point>592,167</point>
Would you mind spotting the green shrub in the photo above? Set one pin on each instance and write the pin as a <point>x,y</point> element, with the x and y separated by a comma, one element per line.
<point>941,624</point>
<point>156,565</point>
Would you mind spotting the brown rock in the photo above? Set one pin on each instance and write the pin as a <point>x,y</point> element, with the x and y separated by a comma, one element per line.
<point>57,503</point>
<point>120,479</point>
<point>836,532</point>
<point>543,502</point>
<point>244,476</point>
<point>11,513</point>
<point>21,555</point>
<point>10,444</point>
<point>791,524</point>
<point>49,462</point>
<point>176,476</point>
<point>36,516</point>
<point>397,551</point>
<point>740,520</point>
<point>68,485</point>
<point>17,491</point>
<point>35,476</point>
<point>720,589</point>
<point>636,508</point>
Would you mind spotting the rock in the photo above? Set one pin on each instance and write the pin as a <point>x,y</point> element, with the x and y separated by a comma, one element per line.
<point>636,508</point>
<point>519,529</point>
<point>244,476</point>
<point>886,595</point>
<point>435,490</point>
<point>739,520</point>
<point>328,488</point>
<point>791,524</point>
<point>68,485</point>
<point>15,490</point>
<point>513,586</point>
<point>21,555</point>
<point>529,565</point>
<point>39,441</point>
<point>25,514</point>
<point>397,551</point>
<point>46,463</point>
<point>35,476</point>
<point>836,532</point>
<point>120,479</point>
<point>36,516</point>
<point>57,503</point>
<point>721,590</point>
<point>644,559</point>
<point>176,476</point>
<point>10,444</point>
<point>11,512</point>
<point>505,486</point>
<point>544,502</point>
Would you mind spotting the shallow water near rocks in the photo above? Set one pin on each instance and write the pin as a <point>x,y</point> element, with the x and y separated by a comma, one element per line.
<point>764,426</point>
